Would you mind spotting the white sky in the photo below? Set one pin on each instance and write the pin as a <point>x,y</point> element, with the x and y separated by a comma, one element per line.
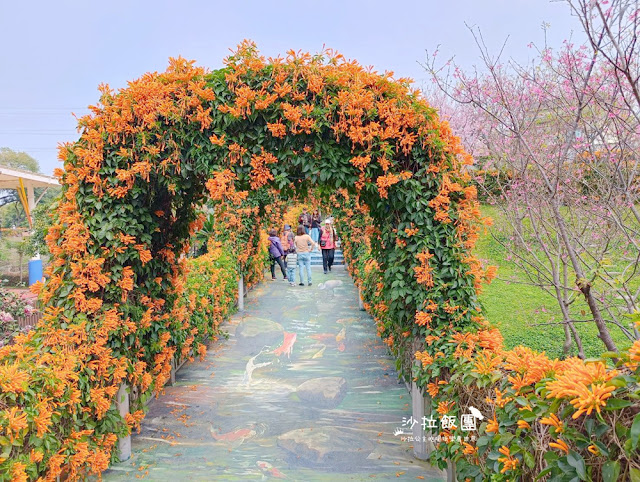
<point>54,54</point>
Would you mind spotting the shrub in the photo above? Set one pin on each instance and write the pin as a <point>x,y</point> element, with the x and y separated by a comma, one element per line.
<point>12,307</point>
<point>560,419</point>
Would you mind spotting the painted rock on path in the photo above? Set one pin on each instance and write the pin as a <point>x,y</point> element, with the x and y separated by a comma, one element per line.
<point>326,392</point>
<point>259,331</point>
<point>337,448</point>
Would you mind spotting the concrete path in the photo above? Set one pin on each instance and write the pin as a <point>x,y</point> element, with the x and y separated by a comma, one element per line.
<point>302,390</point>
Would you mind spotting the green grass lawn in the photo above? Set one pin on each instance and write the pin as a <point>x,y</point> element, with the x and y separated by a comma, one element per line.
<point>517,308</point>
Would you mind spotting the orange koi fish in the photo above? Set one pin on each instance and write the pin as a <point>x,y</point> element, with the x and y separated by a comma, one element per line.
<point>323,336</point>
<point>287,345</point>
<point>240,434</point>
<point>267,468</point>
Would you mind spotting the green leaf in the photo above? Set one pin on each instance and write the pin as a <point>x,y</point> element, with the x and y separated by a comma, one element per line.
<point>604,450</point>
<point>618,382</point>
<point>593,360</point>
<point>610,354</point>
<point>529,460</point>
<point>635,432</point>
<point>577,462</point>
<point>611,471</point>
<point>544,472</point>
<point>617,404</point>
<point>634,475</point>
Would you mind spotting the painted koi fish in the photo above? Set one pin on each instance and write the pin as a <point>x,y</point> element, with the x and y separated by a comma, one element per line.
<point>347,321</point>
<point>236,435</point>
<point>322,336</point>
<point>287,345</point>
<point>270,469</point>
<point>320,352</point>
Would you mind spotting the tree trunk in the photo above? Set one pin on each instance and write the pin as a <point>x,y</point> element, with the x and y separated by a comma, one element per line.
<point>568,341</point>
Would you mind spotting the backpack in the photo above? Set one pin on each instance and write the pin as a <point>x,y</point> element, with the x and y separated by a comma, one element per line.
<point>284,239</point>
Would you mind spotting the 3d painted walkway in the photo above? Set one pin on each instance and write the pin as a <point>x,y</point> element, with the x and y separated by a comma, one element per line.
<point>302,390</point>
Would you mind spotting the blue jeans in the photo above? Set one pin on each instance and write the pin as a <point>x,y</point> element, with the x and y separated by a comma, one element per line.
<point>291,272</point>
<point>315,234</point>
<point>304,259</point>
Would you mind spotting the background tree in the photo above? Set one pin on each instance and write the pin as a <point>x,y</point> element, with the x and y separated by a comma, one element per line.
<point>42,222</point>
<point>11,210</point>
<point>18,160</point>
<point>562,126</point>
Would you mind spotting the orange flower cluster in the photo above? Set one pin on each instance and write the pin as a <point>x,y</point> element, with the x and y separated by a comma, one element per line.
<point>509,461</point>
<point>493,426</point>
<point>88,273</point>
<point>361,162</point>
<point>386,181</point>
<point>424,272</point>
<point>433,388</point>
<point>423,318</point>
<point>221,187</point>
<point>444,407</point>
<point>465,344</point>
<point>277,129</point>
<point>500,400</point>
<point>260,174</point>
<point>486,363</point>
<point>585,383</point>
<point>424,358</point>
<point>560,445</point>
<point>217,140</point>
<point>13,379</point>
<point>554,421</point>
<point>634,355</point>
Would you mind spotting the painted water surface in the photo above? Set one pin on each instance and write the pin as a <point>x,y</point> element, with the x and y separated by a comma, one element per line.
<point>303,389</point>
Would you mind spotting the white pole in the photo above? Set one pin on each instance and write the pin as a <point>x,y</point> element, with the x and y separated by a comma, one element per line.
<point>451,471</point>
<point>241,293</point>
<point>172,376</point>
<point>419,435</point>
<point>122,402</point>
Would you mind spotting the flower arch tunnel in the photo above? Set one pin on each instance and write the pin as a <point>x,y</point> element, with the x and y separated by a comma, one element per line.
<point>244,135</point>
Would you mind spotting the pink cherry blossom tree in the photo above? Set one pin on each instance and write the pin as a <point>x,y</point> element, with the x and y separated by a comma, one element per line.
<point>566,130</point>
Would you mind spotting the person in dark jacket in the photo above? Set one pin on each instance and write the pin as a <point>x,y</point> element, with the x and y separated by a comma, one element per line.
<point>305,220</point>
<point>315,226</point>
<point>277,254</point>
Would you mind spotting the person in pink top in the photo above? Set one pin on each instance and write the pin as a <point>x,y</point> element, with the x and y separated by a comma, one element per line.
<point>327,243</point>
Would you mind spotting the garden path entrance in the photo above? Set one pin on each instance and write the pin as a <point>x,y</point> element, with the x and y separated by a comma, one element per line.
<point>303,389</point>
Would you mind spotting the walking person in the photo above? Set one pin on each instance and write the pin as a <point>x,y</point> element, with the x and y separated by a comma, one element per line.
<point>328,238</point>
<point>304,245</point>
<point>305,220</point>
<point>288,245</point>
<point>276,253</point>
<point>292,260</point>
<point>315,226</point>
